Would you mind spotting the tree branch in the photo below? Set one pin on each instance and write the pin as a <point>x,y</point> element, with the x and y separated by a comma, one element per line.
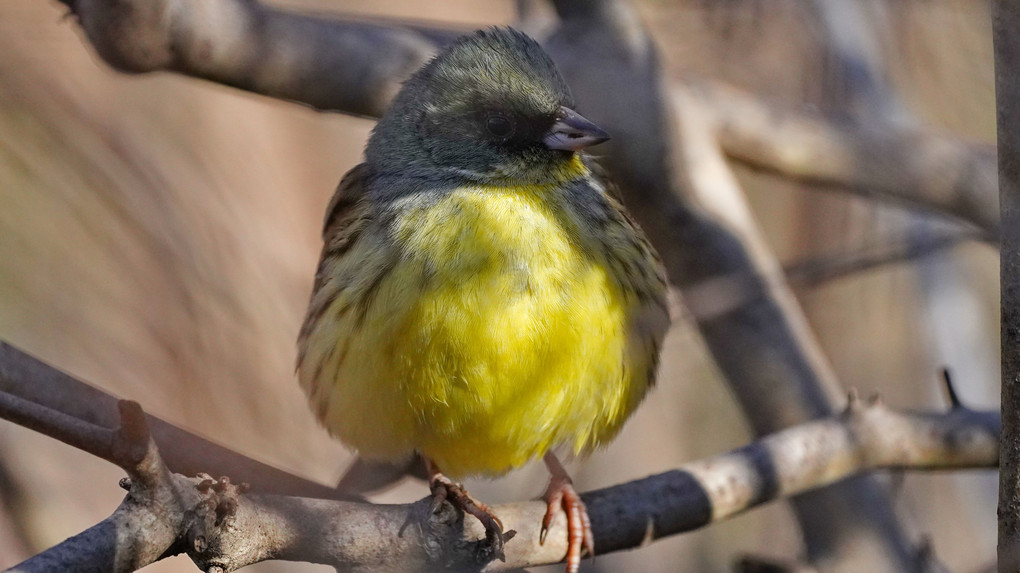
<point>146,523</point>
<point>772,359</point>
<point>28,385</point>
<point>220,526</point>
<point>926,170</point>
<point>1006,19</point>
<point>818,269</point>
<point>355,67</point>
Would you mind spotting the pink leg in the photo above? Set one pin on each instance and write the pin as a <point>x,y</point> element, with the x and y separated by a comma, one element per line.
<point>561,494</point>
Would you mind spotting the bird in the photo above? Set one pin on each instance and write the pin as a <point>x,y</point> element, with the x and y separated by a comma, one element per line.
<point>483,298</point>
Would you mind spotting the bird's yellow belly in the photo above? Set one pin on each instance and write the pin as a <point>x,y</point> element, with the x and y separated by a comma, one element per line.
<point>492,337</point>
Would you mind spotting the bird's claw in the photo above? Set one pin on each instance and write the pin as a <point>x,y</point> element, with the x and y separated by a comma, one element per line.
<point>561,495</point>
<point>444,489</point>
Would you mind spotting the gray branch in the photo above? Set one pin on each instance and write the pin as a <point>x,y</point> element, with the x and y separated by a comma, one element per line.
<point>1006,23</point>
<point>814,270</point>
<point>223,528</point>
<point>749,314</point>
<point>149,519</point>
<point>922,169</point>
<point>355,67</point>
<point>26,380</point>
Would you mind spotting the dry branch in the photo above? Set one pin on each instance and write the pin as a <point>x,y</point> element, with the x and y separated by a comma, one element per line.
<point>857,89</point>
<point>355,67</point>
<point>147,522</point>
<point>1006,20</point>
<point>931,171</point>
<point>24,379</point>
<point>818,269</point>
<point>779,374</point>
<point>219,525</point>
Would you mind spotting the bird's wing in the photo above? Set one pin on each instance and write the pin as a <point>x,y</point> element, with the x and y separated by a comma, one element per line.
<point>654,282</point>
<point>349,193</point>
<point>347,215</point>
<point>647,279</point>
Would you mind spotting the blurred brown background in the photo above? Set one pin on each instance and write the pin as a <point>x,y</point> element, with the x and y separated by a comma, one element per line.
<point>158,237</point>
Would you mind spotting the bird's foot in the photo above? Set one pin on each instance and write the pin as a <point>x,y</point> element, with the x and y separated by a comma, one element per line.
<point>560,494</point>
<point>444,489</point>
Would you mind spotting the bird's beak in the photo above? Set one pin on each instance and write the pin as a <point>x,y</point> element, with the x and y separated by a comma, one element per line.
<point>572,132</point>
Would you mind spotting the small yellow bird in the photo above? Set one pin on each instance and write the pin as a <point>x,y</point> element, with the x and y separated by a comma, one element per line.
<point>481,297</point>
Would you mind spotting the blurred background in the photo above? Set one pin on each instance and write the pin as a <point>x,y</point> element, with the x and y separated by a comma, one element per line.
<point>159,234</point>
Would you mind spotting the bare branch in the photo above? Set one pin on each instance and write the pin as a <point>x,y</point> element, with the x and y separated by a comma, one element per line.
<point>850,38</point>
<point>220,526</point>
<point>822,268</point>
<point>83,435</point>
<point>922,169</point>
<point>147,522</point>
<point>354,67</point>
<point>29,385</point>
<point>1006,20</point>
<point>759,332</point>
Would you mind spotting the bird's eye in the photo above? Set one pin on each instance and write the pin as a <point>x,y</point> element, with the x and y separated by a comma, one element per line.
<point>499,125</point>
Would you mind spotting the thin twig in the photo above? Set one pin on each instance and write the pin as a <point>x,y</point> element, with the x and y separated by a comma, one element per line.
<point>819,269</point>
<point>923,169</point>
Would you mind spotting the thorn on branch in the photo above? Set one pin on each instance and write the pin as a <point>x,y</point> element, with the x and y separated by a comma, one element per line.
<point>947,384</point>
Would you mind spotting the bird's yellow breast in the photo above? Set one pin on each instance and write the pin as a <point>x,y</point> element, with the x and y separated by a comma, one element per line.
<point>494,332</point>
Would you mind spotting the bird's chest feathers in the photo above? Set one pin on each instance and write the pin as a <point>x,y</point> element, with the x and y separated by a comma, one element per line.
<point>492,242</point>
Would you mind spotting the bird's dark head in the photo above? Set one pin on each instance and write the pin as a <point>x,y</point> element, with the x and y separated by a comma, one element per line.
<point>492,107</point>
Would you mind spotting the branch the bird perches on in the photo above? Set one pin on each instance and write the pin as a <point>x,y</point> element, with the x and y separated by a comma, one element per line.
<point>220,525</point>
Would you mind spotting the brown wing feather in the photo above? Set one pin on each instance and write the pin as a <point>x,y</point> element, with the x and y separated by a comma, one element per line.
<point>349,192</point>
<point>347,215</point>
<point>641,269</point>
